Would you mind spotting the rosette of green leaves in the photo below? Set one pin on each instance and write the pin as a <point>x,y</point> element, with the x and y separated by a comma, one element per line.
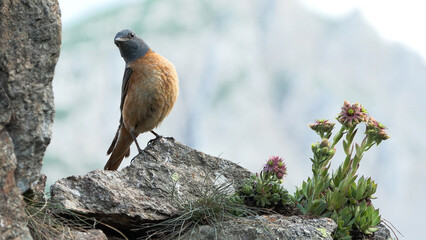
<point>309,198</point>
<point>366,218</point>
<point>265,190</point>
<point>344,219</point>
<point>364,189</point>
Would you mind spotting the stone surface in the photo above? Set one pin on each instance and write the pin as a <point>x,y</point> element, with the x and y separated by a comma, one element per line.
<point>30,39</point>
<point>92,234</point>
<point>268,227</point>
<point>40,186</point>
<point>382,234</point>
<point>142,191</point>
<point>275,227</point>
<point>12,215</point>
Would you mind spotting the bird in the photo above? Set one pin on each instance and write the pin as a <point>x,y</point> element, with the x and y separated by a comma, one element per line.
<point>148,93</point>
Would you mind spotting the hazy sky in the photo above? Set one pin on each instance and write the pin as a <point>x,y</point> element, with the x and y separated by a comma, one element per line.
<point>396,20</point>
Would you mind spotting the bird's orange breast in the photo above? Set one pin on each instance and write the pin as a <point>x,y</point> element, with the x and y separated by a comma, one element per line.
<point>153,90</point>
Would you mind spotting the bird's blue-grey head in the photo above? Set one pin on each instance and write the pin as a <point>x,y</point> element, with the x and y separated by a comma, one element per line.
<point>131,46</point>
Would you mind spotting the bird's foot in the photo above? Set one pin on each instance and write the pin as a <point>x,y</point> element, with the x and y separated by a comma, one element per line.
<point>145,152</point>
<point>153,140</point>
<point>172,139</point>
<point>157,137</point>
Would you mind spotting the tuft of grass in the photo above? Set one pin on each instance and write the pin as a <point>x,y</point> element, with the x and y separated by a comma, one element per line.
<point>213,207</point>
<point>47,220</point>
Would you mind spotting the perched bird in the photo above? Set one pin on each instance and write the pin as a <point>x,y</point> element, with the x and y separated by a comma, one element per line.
<point>148,93</point>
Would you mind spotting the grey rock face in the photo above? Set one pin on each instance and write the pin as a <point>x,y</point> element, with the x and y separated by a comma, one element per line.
<point>142,191</point>
<point>92,234</point>
<point>383,233</point>
<point>12,215</point>
<point>273,227</point>
<point>268,227</point>
<point>30,38</point>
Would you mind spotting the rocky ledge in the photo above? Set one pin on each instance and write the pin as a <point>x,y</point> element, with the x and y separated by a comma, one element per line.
<point>142,193</point>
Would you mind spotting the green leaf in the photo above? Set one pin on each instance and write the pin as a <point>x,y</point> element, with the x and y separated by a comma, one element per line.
<point>345,147</point>
<point>350,137</point>
<point>358,149</point>
<point>360,190</point>
<point>301,208</point>
<point>318,206</point>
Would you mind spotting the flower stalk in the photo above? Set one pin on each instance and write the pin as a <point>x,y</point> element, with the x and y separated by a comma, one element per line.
<point>339,196</point>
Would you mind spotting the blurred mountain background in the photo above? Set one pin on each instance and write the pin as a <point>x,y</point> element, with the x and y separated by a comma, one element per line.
<point>252,76</point>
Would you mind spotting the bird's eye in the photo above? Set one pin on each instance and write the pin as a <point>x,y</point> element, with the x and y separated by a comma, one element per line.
<point>131,35</point>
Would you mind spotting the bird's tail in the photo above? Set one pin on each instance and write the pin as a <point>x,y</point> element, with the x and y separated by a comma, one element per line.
<point>114,141</point>
<point>119,148</point>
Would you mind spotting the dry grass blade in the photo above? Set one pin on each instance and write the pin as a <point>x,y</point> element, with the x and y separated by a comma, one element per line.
<point>391,227</point>
<point>213,207</point>
<point>44,222</point>
<point>47,220</point>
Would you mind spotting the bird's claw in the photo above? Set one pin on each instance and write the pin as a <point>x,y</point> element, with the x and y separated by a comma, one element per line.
<point>144,152</point>
<point>154,139</point>
<point>172,139</point>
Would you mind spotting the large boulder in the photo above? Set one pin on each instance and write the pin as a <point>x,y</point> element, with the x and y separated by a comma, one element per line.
<point>30,38</point>
<point>140,195</point>
<point>142,192</point>
<point>274,226</point>
<point>267,227</point>
<point>12,215</point>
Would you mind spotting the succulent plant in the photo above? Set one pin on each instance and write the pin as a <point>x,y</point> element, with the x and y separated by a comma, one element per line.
<point>366,218</point>
<point>265,189</point>
<point>339,196</point>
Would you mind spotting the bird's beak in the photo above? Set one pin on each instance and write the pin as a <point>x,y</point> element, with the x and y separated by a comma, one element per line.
<point>119,39</point>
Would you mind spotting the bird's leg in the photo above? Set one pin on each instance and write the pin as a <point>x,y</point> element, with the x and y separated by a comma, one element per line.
<point>133,135</point>
<point>157,136</point>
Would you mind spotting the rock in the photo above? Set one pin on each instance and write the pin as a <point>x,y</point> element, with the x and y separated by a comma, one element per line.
<point>142,192</point>
<point>40,185</point>
<point>383,233</point>
<point>12,214</point>
<point>30,38</point>
<point>92,234</point>
<point>89,234</point>
<point>268,227</point>
<point>275,227</point>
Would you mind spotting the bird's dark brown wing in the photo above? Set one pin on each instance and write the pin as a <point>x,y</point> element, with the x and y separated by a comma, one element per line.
<point>124,88</point>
